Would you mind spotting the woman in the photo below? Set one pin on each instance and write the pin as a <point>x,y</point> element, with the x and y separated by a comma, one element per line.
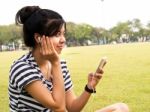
<point>40,80</point>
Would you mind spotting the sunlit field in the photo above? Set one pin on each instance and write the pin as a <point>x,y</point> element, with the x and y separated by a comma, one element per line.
<point>126,78</point>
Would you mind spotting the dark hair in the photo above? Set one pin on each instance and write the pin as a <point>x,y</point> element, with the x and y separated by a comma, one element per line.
<point>36,20</point>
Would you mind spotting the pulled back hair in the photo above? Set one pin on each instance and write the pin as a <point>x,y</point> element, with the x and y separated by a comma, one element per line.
<point>36,20</point>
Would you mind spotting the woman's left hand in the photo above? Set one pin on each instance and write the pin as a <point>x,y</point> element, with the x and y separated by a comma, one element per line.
<point>94,78</point>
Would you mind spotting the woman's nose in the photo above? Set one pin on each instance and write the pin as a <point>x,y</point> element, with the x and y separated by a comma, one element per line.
<point>63,39</point>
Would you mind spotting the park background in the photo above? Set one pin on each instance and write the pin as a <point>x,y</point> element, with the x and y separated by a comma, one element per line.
<point>118,29</point>
<point>126,78</point>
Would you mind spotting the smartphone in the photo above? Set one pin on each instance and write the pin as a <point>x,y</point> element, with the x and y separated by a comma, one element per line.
<point>101,64</point>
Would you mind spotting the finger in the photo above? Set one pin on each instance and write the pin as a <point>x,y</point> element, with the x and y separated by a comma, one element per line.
<point>100,70</point>
<point>48,44</point>
<point>40,42</point>
<point>98,76</point>
<point>40,48</point>
<point>90,76</point>
<point>44,45</point>
<point>52,46</point>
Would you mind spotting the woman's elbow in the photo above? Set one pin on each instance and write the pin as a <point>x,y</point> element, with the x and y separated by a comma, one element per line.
<point>59,108</point>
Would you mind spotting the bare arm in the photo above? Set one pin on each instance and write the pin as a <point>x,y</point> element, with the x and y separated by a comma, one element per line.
<point>58,85</point>
<point>76,104</point>
<point>50,100</point>
<point>37,90</point>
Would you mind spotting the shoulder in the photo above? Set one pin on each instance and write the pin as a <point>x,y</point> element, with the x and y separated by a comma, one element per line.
<point>24,58</point>
<point>21,64</point>
<point>22,71</point>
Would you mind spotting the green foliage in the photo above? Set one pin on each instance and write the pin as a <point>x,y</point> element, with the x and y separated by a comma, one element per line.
<point>126,77</point>
<point>10,33</point>
<point>80,34</point>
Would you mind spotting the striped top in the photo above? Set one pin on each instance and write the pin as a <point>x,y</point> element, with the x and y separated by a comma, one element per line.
<point>24,71</point>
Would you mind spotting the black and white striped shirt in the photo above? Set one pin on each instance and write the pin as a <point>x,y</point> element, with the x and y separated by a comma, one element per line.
<point>24,71</point>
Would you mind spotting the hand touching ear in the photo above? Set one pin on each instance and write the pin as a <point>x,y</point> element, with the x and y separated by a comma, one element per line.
<point>47,49</point>
<point>39,39</point>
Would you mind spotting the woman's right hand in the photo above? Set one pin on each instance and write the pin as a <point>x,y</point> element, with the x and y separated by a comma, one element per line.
<point>48,51</point>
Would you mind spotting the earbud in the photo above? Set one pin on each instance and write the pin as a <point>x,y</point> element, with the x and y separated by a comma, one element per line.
<point>39,39</point>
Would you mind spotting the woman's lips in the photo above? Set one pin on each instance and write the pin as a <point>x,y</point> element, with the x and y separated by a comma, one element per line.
<point>61,47</point>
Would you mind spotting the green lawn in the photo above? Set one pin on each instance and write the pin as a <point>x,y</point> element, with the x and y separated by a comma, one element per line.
<point>126,78</point>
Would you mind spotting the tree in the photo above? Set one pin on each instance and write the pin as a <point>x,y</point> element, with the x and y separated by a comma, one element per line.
<point>71,34</point>
<point>83,32</point>
<point>136,26</point>
<point>10,34</point>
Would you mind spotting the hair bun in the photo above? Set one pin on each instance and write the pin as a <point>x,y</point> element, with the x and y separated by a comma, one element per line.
<point>24,13</point>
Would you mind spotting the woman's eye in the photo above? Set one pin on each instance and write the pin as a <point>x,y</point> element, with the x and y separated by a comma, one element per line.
<point>59,34</point>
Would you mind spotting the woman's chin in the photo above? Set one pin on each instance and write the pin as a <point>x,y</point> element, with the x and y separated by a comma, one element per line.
<point>59,51</point>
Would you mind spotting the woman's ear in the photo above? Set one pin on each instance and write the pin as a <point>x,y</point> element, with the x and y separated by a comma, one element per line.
<point>37,38</point>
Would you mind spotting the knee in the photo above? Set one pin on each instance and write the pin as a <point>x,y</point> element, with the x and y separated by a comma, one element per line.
<point>122,107</point>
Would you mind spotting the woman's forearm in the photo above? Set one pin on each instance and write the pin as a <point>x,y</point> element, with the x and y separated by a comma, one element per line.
<point>79,103</point>
<point>58,91</point>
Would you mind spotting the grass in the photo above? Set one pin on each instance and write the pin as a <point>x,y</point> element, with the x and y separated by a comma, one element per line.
<point>126,78</point>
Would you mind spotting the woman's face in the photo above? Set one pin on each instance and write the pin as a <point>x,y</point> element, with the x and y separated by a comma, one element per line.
<point>59,40</point>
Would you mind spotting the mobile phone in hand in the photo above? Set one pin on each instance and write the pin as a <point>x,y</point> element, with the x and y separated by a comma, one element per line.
<point>101,64</point>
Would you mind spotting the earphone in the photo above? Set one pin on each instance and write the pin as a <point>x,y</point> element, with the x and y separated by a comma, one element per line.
<point>39,39</point>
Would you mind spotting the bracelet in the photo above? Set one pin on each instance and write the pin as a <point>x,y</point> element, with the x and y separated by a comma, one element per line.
<point>89,90</point>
